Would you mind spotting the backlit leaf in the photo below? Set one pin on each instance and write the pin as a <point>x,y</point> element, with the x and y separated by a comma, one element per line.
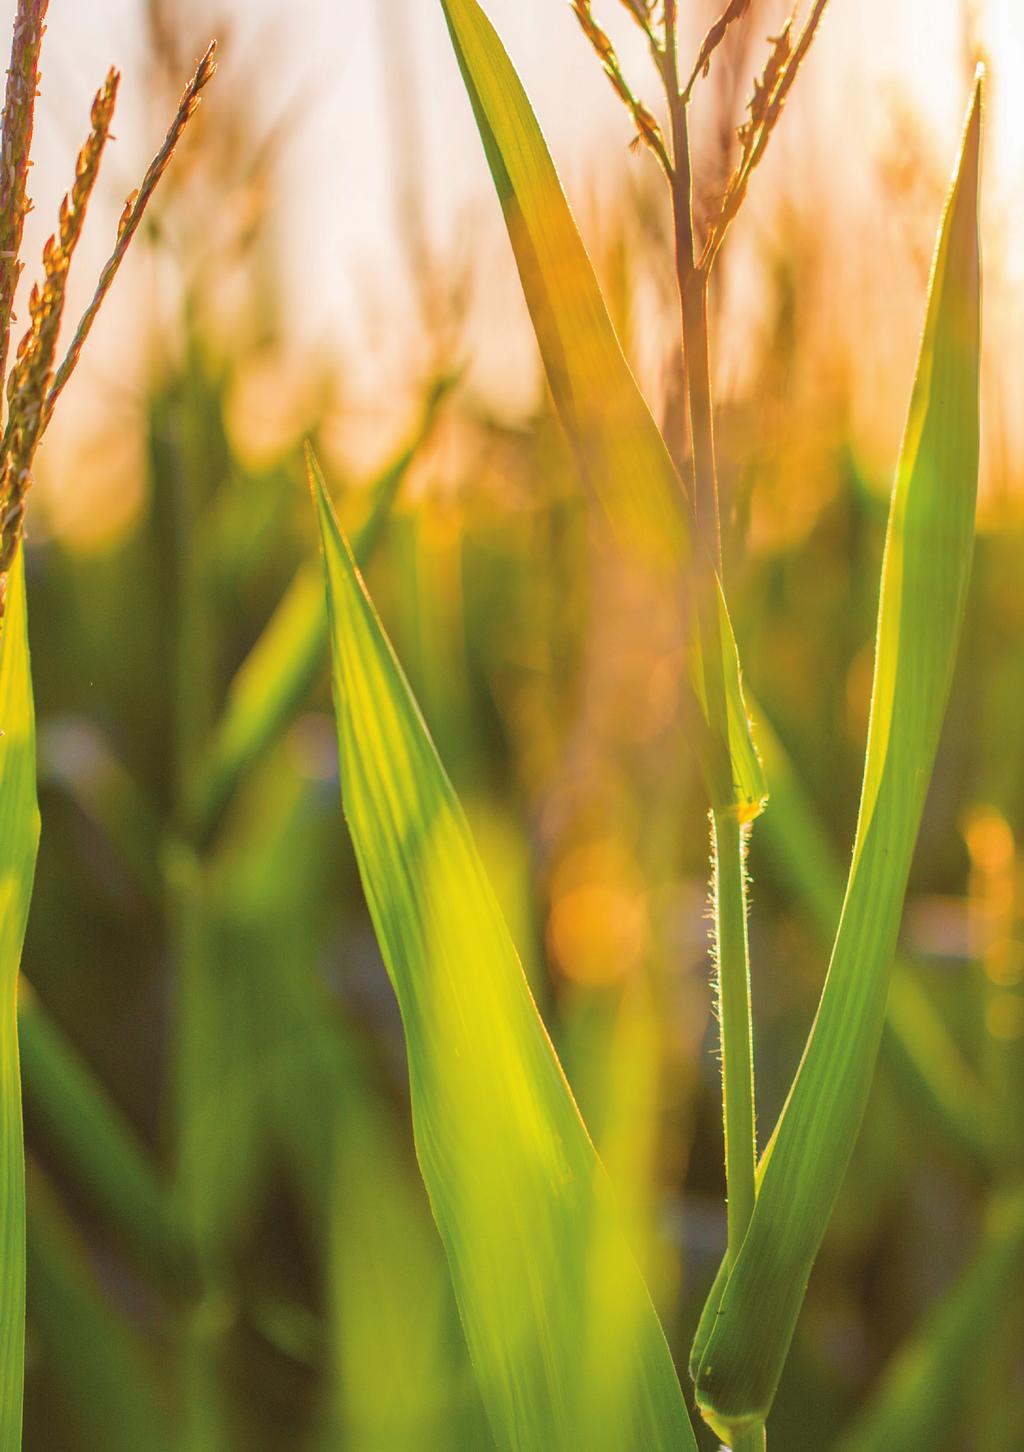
<point>744,1335</point>
<point>925,1390</point>
<point>565,1344</point>
<point>19,840</point>
<point>618,447</point>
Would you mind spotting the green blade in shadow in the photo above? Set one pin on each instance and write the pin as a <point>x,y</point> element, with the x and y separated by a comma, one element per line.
<point>92,1352</point>
<point>99,1147</point>
<point>618,447</point>
<point>279,672</point>
<point>923,1393</point>
<point>565,1343</point>
<point>19,841</point>
<point>744,1336</point>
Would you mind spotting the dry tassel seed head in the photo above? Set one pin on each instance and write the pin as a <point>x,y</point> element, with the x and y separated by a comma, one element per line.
<point>648,130</point>
<point>642,11</point>
<point>597,37</point>
<point>34,385</point>
<point>15,145</point>
<point>765,107</point>
<point>130,218</point>
<point>734,11</point>
<point>31,376</point>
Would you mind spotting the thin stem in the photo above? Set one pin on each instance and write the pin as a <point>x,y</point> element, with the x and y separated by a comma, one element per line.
<point>671,13</point>
<point>694,299</point>
<point>730,881</point>
<point>692,284</point>
<point>733,971</point>
<point>134,208</point>
<point>729,841</point>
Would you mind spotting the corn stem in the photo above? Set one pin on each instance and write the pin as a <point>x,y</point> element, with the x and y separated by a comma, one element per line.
<point>692,283</point>
<point>732,956</point>
<point>728,835</point>
<point>729,840</point>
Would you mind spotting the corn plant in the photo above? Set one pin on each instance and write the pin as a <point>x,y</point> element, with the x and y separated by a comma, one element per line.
<point>565,1343</point>
<point>34,383</point>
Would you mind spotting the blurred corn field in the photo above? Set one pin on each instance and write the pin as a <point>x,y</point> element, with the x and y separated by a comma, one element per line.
<point>229,1242</point>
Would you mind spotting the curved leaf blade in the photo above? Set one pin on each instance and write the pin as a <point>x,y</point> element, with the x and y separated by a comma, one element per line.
<point>279,672</point>
<point>919,1049</point>
<point>99,1148</point>
<point>108,1382</point>
<point>744,1337</point>
<point>565,1343</point>
<point>618,447</point>
<point>19,841</point>
<point>923,1394</point>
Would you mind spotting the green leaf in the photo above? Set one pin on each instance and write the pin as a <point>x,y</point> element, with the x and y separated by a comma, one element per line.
<point>565,1343</point>
<point>109,1393</point>
<point>917,1047</point>
<point>271,683</point>
<point>19,841</point>
<point>618,447</point>
<point>278,673</point>
<point>923,1394</point>
<point>99,1147</point>
<point>381,1241</point>
<point>744,1336</point>
<point>78,758</point>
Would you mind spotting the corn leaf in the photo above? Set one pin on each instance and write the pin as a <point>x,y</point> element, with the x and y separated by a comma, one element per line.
<point>923,1395</point>
<point>618,447</point>
<point>278,673</point>
<point>98,1146</point>
<point>19,841</point>
<point>917,1047</point>
<point>564,1340</point>
<point>381,1242</point>
<point>270,684</point>
<point>78,758</point>
<point>747,1328</point>
<point>109,1393</point>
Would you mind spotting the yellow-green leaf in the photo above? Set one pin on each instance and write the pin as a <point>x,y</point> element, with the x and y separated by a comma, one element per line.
<point>919,1049</point>
<point>19,840</point>
<point>280,669</point>
<point>924,1393</point>
<point>98,1147</point>
<point>618,447</point>
<point>95,1358</point>
<point>564,1340</point>
<point>746,1331</point>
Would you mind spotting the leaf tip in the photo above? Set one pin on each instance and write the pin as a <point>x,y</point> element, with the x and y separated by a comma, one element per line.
<point>971,146</point>
<point>331,532</point>
<point>318,488</point>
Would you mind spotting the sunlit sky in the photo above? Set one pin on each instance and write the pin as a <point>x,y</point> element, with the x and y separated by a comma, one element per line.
<point>336,216</point>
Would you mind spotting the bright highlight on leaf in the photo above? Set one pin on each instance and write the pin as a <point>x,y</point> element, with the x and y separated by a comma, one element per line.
<point>917,1043</point>
<point>618,447</point>
<point>19,840</point>
<point>565,1344</point>
<point>746,1330</point>
<point>107,1379</point>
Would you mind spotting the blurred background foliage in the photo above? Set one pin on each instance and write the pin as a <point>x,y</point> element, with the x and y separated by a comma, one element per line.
<point>229,1244</point>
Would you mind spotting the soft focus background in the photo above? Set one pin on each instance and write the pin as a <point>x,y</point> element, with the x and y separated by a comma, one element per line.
<point>327,260</point>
